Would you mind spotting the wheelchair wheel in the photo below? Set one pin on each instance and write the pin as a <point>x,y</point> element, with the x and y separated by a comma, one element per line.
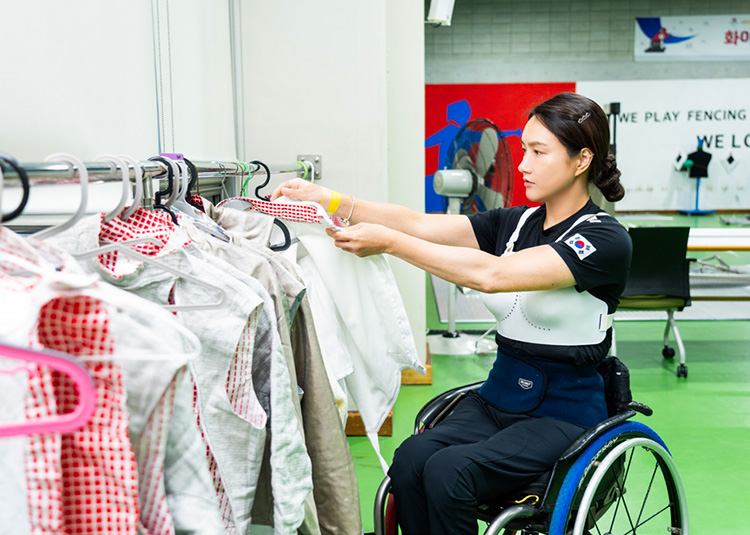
<point>625,482</point>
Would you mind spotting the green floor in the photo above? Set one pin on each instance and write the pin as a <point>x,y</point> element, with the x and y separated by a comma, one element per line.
<point>704,419</point>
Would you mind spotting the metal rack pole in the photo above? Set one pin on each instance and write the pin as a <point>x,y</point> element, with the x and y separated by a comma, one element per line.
<point>54,173</point>
<point>214,171</point>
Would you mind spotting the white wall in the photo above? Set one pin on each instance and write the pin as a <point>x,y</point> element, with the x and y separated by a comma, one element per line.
<point>81,78</point>
<point>337,78</point>
<point>344,80</point>
<point>78,77</point>
<point>406,164</point>
<point>504,41</point>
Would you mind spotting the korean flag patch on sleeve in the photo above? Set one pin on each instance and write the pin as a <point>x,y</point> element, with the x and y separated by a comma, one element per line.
<point>580,245</point>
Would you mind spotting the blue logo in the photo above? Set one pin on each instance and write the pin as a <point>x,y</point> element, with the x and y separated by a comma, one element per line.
<point>658,34</point>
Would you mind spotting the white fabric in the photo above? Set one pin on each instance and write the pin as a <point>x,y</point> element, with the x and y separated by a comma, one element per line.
<point>235,443</point>
<point>328,323</point>
<point>376,331</point>
<point>291,470</point>
<point>191,495</point>
<point>333,507</point>
<point>141,331</point>
<point>553,317</point>
<point>14,510</point>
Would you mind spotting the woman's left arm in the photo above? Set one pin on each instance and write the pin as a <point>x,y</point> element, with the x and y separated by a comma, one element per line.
<point>535,268</point>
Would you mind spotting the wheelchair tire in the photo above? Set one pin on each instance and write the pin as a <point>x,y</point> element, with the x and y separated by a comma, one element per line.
<point>596,487</point>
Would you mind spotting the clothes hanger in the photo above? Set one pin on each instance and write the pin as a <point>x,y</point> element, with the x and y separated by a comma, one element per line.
<point>194,177</point>
<point>135,255</point>
<point>287,237</point>
<point>125,170</point>
<point>177,185</point>
<point>200,221</point>
<point>265,182</point>
<point>242,204</point>
<point>85,284</point>
<point>138,193</point>
<point>7,159</point>
<point>74,163</point>
<point>284,230</point>
<point>62,423</point>
<point>168,191</point>
<point>184,182</point>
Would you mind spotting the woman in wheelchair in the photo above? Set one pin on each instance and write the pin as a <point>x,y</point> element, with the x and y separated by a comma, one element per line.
<point>550,274</point>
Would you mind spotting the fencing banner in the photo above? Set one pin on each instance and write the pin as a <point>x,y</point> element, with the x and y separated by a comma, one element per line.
<point>660,126</point>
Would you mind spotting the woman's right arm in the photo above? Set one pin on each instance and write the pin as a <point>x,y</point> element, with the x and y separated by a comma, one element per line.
<point>436,228</point>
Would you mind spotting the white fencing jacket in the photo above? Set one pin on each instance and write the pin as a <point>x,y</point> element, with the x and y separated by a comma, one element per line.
<point>370,323</point>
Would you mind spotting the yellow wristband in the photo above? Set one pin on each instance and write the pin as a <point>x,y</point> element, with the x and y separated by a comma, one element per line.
<point>333,205</point>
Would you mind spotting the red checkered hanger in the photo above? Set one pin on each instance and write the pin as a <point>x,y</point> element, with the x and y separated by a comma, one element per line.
<point>282,208</point>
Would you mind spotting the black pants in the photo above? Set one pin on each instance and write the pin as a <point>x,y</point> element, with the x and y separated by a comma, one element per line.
<point>478,453</point>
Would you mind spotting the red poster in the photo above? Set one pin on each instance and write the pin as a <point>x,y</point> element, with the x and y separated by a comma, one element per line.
<point>449,107</point>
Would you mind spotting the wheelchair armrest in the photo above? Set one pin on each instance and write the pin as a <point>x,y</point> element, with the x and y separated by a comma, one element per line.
<point>440,406</point>
<point>592,432</point>
<point>641,407</point>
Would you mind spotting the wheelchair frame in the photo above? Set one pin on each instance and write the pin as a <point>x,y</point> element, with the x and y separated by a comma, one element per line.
<point>572,499</point>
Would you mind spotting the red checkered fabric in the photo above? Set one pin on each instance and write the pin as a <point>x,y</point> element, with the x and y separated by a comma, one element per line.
<point>98,468</point>
<point>299,212</point>
<point>42,453</point>
<point>240,379</point>
<point>142,224</point>
<point>242,397</point>
<point>196,201</point>
<point>13,277</point>
<point>151,449</point>
<point>43,469</point>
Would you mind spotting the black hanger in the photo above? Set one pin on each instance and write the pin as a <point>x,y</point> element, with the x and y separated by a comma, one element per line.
<point>193,181</point>
<point>285,231</point>
<point>268,179</point>
<point>167,192</point>
<point>5,158</point>
<point>287,237</point>
<point>193,177</point>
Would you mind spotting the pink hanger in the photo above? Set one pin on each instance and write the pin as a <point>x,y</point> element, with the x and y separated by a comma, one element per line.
<point>62,423</point>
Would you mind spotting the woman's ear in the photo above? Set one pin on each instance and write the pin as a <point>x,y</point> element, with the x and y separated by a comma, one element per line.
<point>584,161</point>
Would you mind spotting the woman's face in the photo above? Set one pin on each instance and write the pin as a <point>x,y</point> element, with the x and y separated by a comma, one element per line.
<point>548,171</point>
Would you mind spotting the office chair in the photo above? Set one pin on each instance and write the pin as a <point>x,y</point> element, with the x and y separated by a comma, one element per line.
<point>659,279</point>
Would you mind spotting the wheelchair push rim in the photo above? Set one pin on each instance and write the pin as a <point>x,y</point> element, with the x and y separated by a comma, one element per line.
<point>623,504</point>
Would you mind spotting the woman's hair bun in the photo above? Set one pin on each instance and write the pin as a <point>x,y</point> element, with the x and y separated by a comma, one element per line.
<point>608,180</point>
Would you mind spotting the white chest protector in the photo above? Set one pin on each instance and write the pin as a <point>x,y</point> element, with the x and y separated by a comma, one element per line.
<point>554,317</point>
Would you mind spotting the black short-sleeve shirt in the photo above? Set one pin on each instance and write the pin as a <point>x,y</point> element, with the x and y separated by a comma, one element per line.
<point>597,252</point>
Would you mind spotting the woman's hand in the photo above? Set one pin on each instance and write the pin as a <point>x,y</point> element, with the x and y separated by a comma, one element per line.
<point>363,239</point>
<point>299,189</point>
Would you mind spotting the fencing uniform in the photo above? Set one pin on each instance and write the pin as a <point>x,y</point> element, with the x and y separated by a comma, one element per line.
<point>543,389</point>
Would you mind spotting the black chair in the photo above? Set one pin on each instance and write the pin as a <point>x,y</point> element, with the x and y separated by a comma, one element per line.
<point>618,477</point>
<point>659,279</point>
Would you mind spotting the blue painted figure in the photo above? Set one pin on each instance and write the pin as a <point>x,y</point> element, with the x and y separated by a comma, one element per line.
<point>457,113</point>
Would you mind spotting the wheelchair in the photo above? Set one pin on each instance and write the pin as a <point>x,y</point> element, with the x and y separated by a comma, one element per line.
<point>617,478</point>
